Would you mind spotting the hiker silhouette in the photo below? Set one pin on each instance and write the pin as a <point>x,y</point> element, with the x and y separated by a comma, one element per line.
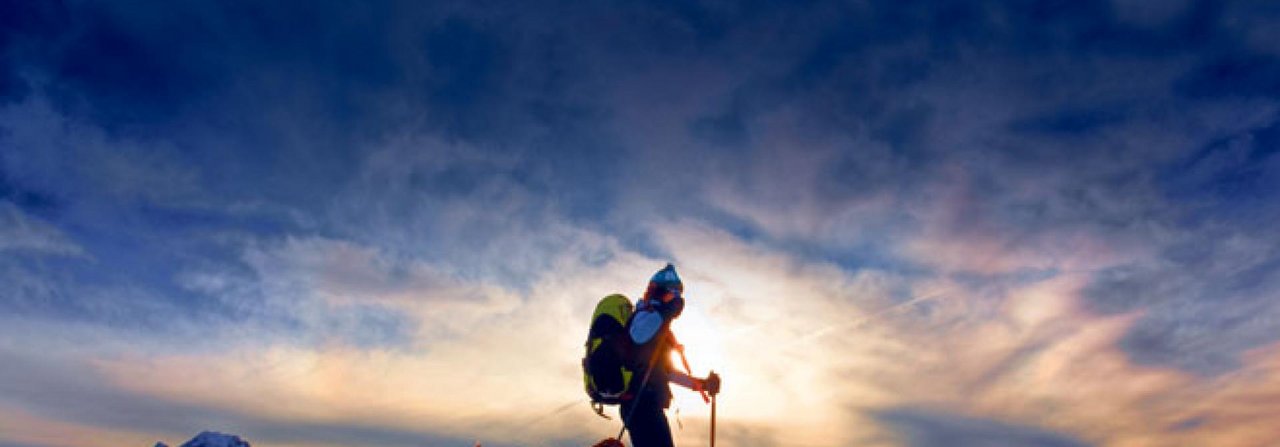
<point>650,331</point>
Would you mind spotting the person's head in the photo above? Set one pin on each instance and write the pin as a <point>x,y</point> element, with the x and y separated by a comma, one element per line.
<point>665,285</point>
<point>666,290</point>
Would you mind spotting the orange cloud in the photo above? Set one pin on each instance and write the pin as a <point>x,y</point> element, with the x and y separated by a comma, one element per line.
<point>19,426</point>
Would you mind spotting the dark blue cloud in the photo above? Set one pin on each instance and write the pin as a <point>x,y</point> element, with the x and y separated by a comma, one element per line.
<point>1069,122</point>
<point>29,200</point>
<point>1031,30</point>
<point>726,129</point>
<point>253,106</point>
<point>12,87</point>
<point>1233,75</point>
<point>463,61</point>
<point>927,427</point>
<point>145,72</point>
<point>22,27</point>
<point>148,67</point>
<point>1226,172</point>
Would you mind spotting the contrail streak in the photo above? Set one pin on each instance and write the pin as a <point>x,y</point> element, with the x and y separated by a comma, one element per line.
<point>865,319</point>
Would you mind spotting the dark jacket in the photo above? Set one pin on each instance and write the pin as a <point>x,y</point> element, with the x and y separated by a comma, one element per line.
<point>658,352</point>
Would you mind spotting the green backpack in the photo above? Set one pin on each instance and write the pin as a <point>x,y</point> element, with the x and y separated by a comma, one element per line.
<point>605,372</point>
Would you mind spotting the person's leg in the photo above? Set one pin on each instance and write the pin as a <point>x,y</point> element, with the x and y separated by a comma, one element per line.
<point>648,425</point>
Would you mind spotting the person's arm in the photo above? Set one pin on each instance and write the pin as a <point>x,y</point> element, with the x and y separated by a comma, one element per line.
<point>711,384</point>
<point>682,379</point>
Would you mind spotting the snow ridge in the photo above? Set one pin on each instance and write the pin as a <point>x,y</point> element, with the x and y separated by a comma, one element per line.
<point>215,439</point>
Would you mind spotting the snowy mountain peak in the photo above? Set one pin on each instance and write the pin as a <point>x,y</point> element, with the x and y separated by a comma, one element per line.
<point>215,439</point>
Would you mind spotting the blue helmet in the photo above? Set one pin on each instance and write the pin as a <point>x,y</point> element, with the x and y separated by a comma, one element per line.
<point>667,279</point>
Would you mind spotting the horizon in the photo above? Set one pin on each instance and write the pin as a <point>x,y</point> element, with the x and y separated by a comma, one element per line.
<point>899,224</point>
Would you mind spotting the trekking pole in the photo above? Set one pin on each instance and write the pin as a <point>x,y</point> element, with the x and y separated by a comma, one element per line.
<point>713,420</point>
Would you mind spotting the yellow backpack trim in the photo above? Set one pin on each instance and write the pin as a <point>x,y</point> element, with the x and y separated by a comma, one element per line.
<point>617,306</point>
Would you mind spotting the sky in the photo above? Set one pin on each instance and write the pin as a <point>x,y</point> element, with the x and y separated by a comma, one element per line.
<point>900,223</point>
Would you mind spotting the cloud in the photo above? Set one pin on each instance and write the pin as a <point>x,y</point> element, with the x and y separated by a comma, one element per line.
<point>43,432</point>
<point>774,325</point>
<point>20,232</point>
<point>941,171</point>
<point>75,402</point>
<point>454,376</point>
<point>927,428</point>
<point>1039,221</point>
<point>60,392</point>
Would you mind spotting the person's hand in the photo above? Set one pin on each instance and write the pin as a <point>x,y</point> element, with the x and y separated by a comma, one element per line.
<point>712,384</point>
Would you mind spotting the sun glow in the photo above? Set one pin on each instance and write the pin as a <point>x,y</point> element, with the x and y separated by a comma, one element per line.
<point>731,326</point>
<point>704,347</point>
